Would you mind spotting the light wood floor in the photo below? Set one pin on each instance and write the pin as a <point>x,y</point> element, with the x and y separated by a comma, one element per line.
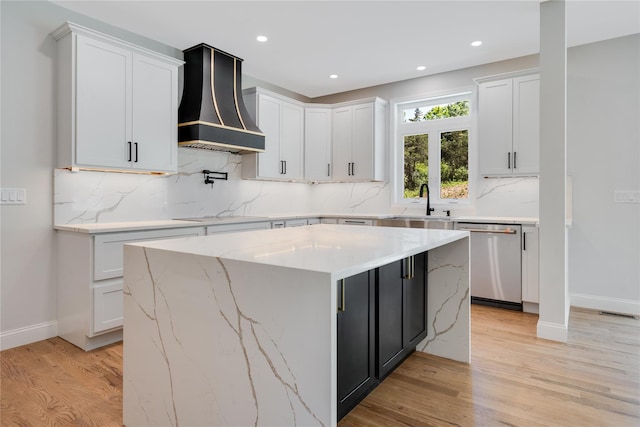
<point>514,379</point>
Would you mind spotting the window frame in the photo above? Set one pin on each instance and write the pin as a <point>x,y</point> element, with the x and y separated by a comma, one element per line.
<point>434,128</point>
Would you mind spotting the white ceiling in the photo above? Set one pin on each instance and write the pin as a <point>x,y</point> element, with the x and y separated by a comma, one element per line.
<point>365,43</point>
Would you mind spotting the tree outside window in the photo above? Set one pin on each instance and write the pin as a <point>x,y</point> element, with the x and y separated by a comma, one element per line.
<point>452,150</point>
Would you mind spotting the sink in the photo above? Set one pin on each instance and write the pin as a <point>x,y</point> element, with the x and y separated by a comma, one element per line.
<point>443,223</point>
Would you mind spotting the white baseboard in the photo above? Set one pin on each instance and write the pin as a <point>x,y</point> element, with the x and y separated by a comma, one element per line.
<point>614,305</point>
<point>28,335</point>
<point>553,331</point>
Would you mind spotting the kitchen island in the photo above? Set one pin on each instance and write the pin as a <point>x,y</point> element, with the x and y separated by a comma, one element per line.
<point>240,329</point>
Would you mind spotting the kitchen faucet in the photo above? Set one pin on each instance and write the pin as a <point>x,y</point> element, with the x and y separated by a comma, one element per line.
<point>429,208</point>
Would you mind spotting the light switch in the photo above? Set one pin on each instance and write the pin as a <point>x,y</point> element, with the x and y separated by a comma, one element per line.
<point>13,196</point>
<point>626,196</point>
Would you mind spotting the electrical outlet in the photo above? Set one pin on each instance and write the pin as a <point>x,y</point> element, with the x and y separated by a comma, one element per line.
<point>626,196</point>
<point>13,196</point>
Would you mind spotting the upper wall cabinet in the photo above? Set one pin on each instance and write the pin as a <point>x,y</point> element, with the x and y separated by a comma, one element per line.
<point>317,143</point>
<point>359,132</point>
<point>117,104</point>
<point>282,122</point>
<point>509,122</point>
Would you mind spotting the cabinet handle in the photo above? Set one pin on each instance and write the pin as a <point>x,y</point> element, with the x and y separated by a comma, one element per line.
<point>515,163</point>
<point>354,221</point>
<point>409,266</point>
<point>328,169</point>
<point>136,144</point>
<point>413,266</point>
<point>524,241</point>
<point>353,169</point>
<point>509,160</point>
<point>342,301</point>
<point>129,142</point>
<point>285,167</point>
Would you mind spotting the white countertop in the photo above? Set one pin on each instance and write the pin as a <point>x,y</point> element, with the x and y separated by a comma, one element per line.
<point>341,250</point>
<point>113,227</point>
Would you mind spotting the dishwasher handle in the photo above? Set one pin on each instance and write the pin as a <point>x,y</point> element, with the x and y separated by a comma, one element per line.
<point>482,230</point>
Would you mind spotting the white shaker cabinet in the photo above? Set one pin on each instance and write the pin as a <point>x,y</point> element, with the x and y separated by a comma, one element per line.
<point>509,121</point>
<point>317,144</point>
<point>282,122</point>
<point>117,104</point>
<point>90,284</point>
<point>530,263</point>
<point>358,141</point>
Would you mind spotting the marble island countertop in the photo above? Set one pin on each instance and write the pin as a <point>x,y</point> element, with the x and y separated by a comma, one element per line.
<point>340,250</point>
<point>242,328</point>
<point>112,227</point>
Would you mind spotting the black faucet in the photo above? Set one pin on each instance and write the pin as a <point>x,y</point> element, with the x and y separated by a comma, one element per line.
<point>429,208</point>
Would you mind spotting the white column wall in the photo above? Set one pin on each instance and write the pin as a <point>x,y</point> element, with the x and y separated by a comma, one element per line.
<point>554,298</point>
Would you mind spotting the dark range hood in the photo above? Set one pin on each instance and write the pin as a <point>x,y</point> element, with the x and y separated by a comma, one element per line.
<point>212,114</point>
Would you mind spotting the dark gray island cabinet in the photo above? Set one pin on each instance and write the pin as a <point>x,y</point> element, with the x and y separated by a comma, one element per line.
<point>288,326</point>
<point>385,319</point>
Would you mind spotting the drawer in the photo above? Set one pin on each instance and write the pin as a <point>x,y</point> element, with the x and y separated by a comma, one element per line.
<point>295,222</point>
<point>230,228</point>
<point>107,307</point>
<point>108,248</point>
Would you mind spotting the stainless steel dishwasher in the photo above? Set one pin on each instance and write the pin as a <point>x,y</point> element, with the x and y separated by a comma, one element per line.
<point>496,264</point>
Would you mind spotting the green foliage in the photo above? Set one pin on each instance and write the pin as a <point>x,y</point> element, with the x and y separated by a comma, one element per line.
<point>416,161</point>
<point>450,174</point>
<point>457,109</point>
<point>454,149</point>
<point>454,146</point>
<point>417,116</point>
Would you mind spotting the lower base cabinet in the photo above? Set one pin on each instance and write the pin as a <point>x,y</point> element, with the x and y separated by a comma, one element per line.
<point>401,320</point>
<point>382,316</point>
<point>356,340</point>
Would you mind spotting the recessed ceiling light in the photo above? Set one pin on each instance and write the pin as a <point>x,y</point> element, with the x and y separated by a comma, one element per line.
<point>476,43</point>
<point>333,76</point>
<point>262,38</point>
<point>421,68</point>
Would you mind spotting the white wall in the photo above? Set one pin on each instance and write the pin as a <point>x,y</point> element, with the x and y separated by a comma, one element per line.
<point>604,156</point>
<point>27,286</point>
<point>28,144</point>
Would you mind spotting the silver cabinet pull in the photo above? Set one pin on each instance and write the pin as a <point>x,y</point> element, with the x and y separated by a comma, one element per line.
<point>509,160</point>
<point>480,230</point>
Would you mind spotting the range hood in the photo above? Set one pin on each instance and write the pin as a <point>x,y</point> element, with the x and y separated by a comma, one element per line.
<point>212,114</point>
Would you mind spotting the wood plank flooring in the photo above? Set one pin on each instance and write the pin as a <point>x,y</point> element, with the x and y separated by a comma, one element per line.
<point>514,379</point>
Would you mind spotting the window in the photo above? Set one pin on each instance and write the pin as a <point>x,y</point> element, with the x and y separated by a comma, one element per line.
<point>435,148</point>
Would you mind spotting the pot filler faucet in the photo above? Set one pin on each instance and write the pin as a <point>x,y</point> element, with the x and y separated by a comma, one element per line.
<point>422,188</point>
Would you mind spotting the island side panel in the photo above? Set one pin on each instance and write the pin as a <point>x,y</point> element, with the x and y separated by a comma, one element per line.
<point>448,317</point>
<point>209,341</point>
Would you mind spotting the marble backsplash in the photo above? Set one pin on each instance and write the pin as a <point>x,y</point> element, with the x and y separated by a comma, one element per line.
<point>101,197</point>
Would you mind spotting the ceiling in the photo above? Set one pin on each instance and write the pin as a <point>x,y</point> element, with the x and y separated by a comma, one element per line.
<point>366,43</point>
